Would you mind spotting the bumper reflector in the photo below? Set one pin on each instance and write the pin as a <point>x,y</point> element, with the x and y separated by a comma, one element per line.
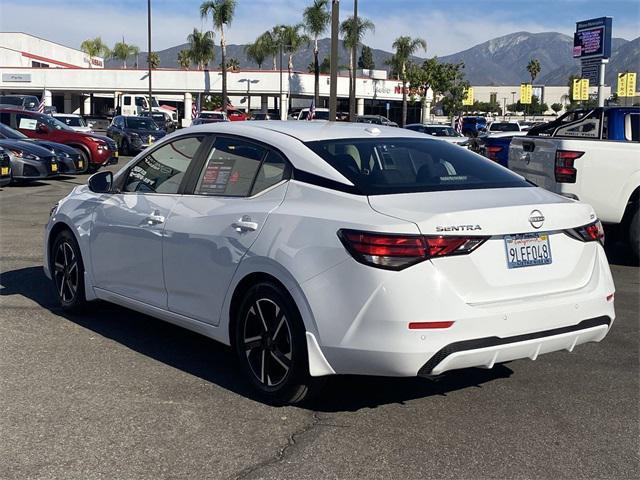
<point>428,325</point>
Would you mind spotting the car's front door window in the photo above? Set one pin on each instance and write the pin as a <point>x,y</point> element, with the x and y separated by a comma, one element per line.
<point>162,170</point>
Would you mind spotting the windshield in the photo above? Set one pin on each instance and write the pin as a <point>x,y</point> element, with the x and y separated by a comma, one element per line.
<point>442,131</point>
<point>140,123</point>
<point>9,100</point>
<point>405,165</point>
<point>504,127</point>
<point>53,123</point>
<point>72,121</point>
<point>8,132</point>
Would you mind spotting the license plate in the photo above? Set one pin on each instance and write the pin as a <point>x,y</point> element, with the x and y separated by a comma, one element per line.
<point>54,167</point>
<point>527,250</point>
<point>80,164</point>
<point>4,171</point>
<point>115,154</point>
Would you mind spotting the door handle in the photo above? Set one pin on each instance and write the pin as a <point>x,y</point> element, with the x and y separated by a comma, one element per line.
<point>245,225</point>
<point>155,218</point>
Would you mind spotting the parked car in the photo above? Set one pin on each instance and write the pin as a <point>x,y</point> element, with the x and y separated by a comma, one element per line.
<point>95,150</point>
<point>442,132</point>
<point>134,134</point>
<point>236,115</point>
<point>376,120</point>
<point>473,126</point>
<point>495,127</point>
<point>589,155</point>
<point>161,119</point>
<point>69,159</point>
<point>496,146</point>
<point>319,114</point>
<point>5,168</point>
<point>208,116</point>
<point>262,116</point>
<point>30,161</point>
<point>76,122</point>
<point>26,102</point>
<point>319,249</point>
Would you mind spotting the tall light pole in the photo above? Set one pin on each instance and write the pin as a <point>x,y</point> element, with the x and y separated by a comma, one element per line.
<point>281,41</point>
<point>354,49</point>
<point>333,87</point>
<point>513,100</point>
<point>149,52</point>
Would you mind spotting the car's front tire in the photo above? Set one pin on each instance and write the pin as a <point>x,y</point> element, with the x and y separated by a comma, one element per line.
<point>67,271</point>
<point>633,235</point>
<point>271,346</point>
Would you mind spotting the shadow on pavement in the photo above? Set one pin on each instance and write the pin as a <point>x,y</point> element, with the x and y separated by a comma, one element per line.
<point>215,362</point>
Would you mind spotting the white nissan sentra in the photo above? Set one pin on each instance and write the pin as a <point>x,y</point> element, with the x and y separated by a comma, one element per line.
<point>323,248</point>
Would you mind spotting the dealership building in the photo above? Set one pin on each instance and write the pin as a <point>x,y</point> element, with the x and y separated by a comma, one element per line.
<point>73,82</point>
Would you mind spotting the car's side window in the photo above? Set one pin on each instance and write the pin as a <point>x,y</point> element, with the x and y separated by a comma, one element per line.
<point>162,170</point>
<point>230,168</point>
<point>273,170</point>
<point>632,127</point>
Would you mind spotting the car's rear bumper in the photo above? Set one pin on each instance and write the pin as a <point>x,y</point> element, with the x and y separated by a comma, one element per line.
<point>364,329</point>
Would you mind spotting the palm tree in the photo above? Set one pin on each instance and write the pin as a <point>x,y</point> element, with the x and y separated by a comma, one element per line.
<point>233,64</point>
<point>316,20</point>
<point>95,47</point>
<point>121,51</point>
<point>405,48</point>
<point>222,14</point>
<point>184,59</point>
<point>270,41</point>
<point>292,39</point>
<point>256,51</point>
<point>153,59</point>
<point>353,32</point>
<point>201,48</point>
<point>534,68</point>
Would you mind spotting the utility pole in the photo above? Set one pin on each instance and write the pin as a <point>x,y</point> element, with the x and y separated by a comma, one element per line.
<point>149,53</point>
<point>282,117</point>
<point>333,87</point>
<point>354,50</point>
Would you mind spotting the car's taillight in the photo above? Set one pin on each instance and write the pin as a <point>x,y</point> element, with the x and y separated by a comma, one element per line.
<point>395,252</point>
<point>565,170</point>
<point>592,232</point>
<point>493,151</point>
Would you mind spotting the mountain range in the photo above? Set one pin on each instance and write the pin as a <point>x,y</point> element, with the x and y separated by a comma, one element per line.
<point>500,61</point>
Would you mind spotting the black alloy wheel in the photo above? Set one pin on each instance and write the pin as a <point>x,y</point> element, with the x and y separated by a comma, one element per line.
<point>67,271</point>
<point>271,345</point>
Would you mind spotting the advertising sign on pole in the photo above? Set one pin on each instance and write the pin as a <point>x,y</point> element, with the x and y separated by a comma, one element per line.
<point>592,38</point>
<point>526,92</point>
<point>631,84</point>
<point>468,96</point>
<point>622,85</point>
<point>580,89</point>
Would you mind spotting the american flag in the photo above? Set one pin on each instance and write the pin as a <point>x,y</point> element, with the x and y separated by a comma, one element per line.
<point>312,110</point>
<point>195,109</point>
<point>459,124</point>
<point>41,104</point>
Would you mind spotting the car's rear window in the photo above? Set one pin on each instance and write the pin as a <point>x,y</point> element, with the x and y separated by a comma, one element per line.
<point>404,165</point>
<point>504,127</point>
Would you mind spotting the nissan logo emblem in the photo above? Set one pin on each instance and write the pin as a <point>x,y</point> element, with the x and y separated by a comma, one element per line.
<point>536,219</point>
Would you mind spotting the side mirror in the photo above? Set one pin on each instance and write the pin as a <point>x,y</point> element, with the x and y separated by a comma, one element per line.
<point>101,182</point>
<point>42,128</point>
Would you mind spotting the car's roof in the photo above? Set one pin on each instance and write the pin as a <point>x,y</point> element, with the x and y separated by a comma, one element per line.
<point>66,115</point>
<point>428,125</point>
<point>310,131</point>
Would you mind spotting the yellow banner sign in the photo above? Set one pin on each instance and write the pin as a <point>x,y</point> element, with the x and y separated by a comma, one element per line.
<point>468,96</point>
<point>626,84</point>
<point>526,92</point>
<point>580,89</point>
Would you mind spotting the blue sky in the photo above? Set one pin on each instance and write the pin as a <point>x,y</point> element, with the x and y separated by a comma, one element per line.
<point>447,25</point>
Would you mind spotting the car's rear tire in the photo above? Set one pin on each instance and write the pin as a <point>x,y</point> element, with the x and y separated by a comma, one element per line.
<point>67,271</point>
<point>271,345</point>
<point>633,233</point>
<point>124,148</point>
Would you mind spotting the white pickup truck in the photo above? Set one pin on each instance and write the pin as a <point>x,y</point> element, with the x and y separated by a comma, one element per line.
<point>591,155</point>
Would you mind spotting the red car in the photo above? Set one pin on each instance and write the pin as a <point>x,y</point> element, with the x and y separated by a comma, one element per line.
<point>236,115</point>
<point>95,150</point>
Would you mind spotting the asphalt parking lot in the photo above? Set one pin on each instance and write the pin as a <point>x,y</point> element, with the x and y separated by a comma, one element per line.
<point>113,394</point>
